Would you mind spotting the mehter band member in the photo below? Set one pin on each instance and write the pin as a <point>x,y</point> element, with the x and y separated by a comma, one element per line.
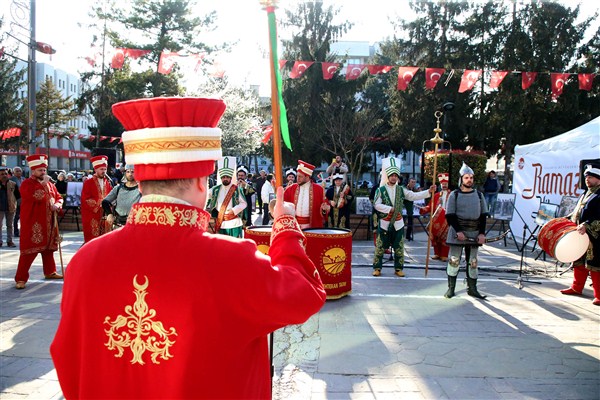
<point>94,190</point>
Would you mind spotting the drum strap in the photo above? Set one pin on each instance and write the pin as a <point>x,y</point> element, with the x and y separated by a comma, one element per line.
<point>223,208</point>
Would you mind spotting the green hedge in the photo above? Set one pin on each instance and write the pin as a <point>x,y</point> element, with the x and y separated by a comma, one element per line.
<point>476,160</point>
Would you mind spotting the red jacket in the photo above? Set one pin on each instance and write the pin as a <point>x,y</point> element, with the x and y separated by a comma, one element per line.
<point>92,194</point>
<point>180,313</point>
<point>38,231</point>
<point>317,199</point>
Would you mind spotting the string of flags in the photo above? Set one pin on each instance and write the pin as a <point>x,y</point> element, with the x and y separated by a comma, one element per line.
<point>433,75</point>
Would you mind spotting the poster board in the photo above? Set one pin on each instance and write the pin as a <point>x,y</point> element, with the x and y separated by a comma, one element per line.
<point>504,207</point>
<point>567,205</point>
<point>363,206</point>
<point>73,198</point>
<point>546,212</point>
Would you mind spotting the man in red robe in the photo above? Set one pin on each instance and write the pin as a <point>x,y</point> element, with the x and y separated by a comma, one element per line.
<point>439,229</point>
<point>188,315</point>
<point>311,205</point>
<point>94,191</point>
<point>39,233</point>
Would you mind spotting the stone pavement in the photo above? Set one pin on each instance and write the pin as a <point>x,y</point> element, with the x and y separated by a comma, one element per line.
<point>391,338</point>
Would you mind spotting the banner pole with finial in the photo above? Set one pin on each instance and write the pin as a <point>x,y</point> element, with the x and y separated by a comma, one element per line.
<point>436,140</point>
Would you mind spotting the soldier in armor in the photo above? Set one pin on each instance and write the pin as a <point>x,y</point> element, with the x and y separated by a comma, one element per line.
<point>466,213</point>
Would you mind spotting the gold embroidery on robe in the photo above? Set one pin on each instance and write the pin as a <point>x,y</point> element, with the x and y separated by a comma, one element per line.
<point>36,235</point>
<point>39,194</point>
<point>138,331</point>
<point>167,216</point>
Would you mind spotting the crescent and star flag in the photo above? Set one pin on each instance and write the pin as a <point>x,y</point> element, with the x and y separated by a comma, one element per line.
<point>300,68</point>
<point>353,71</point>
<point>282,63</point>
<point>585,81</point>
<point>527,79</point>
<point>468,80</point>
<point>379,69</point>
<point>167,61</point>
<point>44,48</point>
<point>118,59</point>
<point>329,69</point>
<point>267,132</point>
<point>497,78</point>
<point>432,76</point>
<point>135,53</point>
<point>405,75</point>
<point>558,80</point>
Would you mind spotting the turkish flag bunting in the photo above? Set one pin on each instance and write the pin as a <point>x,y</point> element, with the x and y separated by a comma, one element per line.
<point>167,61</point>
<point>432,76</point>
<point>300,68</point>
<point>527,79</point>
<point>268,132</point>
<point>135,53</point>
<point>329,69</point>
<point>282,63</point>
<point>353,71</point>
<point>379,69</point>
<point>118,59</point>
<point>44,48</point>
<point>557,80</point>
<point>585,81</point>
<point>497,78</point>
<point>114,139</point>
<point>405,75</point>
<point>468,80</point>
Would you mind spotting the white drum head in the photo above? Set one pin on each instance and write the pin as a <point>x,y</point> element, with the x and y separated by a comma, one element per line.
<point>571,247</point>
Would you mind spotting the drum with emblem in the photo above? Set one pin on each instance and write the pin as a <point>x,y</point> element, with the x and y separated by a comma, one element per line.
<point>330,249</point>
<point>439,229</point>
<point>559,239</point>
<point>261,235</point>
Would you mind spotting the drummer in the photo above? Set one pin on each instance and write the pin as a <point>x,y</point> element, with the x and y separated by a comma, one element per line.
<point>308,197</point>
<point>440,226</point>
<point>587,217</point>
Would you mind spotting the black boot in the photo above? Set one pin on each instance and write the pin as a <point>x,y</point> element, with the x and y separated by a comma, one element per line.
<point>451,285</point>
<point>472,289</point>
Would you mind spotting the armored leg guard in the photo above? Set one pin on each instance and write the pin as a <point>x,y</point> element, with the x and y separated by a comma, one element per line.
<point>451,286</point>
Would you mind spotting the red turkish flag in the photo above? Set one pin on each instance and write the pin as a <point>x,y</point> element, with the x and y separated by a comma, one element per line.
<point>268,132</point>
<point>300,68</point>
<point>118,59</point>
<point>558,81</point>
<point>497,78</point>
<point>44,48</point>
<point>135,53</point>
<point>167,61</point>
<point>353,71</point>
<point>282,63</point>
<point>468,80</point>
<point>527,79</point>
<point>432,76</point>
<point>586,81</point>
<point>329,69</point>
<point>405,75</point>
<point>379,69</point>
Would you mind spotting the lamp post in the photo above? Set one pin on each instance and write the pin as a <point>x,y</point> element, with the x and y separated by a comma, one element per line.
<point>31,79</point>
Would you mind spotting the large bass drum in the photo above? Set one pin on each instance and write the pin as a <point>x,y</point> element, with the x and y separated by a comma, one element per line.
<point>261,236</point>
<point>559,239</point>
<point>330,249</point>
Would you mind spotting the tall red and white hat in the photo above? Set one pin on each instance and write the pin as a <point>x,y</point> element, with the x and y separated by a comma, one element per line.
<point>36,161</point>
<point>305,168</point>
<point>443,177</point>
<point>100,161</point>
<point>171,137</point>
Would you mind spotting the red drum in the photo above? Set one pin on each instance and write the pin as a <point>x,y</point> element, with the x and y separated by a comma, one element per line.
<point>330,249</point>
<point>439,228</point>
<point>559,239</point>
<point>261,236</point>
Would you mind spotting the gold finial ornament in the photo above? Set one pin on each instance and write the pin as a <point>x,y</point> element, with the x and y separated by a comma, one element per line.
<point>268,3</point>
<point>437,139</point>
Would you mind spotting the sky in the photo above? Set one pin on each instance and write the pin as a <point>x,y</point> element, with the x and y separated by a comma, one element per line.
<point>238,20</point>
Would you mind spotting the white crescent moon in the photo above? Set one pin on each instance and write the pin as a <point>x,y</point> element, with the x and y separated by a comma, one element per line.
<point>331,69</point>
<point>433,76</point>
<point>301,68</point>
<point>561,82</point>
<point>409,74</point>
<point>472,76</point>
<point>355,71</point>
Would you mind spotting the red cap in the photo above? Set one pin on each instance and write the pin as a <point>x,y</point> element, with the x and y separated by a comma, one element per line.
<point>171,138</point>
<point>36,161</point>
<point>99,161</point>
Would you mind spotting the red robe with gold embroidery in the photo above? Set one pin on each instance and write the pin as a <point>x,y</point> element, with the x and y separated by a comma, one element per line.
<point>439,228</point>
<point>38,232</point>
<point>317,199</point>
<point>93,192</point>
<point>187,316</point>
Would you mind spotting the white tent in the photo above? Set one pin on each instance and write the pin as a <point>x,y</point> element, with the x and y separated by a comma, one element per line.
<point>548,171</point>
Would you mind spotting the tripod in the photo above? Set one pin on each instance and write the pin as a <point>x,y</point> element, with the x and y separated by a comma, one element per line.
<point>519,279</point>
